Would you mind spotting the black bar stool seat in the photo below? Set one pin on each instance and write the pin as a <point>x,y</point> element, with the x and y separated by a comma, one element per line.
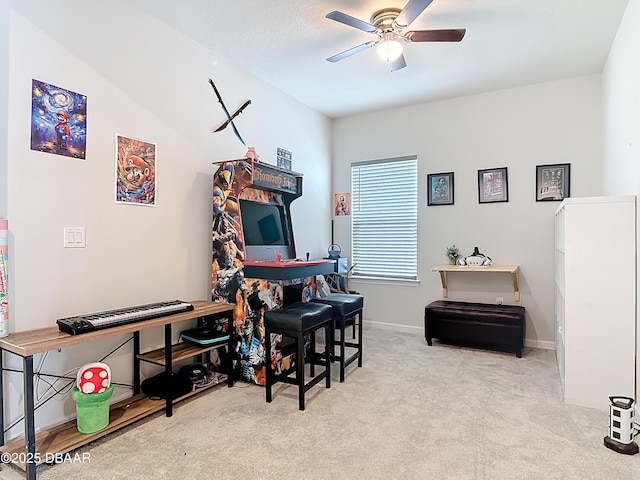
<point>296,321</point>
<point>346,310</point>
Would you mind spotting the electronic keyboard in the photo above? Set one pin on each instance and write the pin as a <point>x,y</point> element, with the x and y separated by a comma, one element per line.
<point>112,318</point>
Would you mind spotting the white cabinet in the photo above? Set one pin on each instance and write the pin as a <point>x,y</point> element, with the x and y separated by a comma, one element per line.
<point>595,298</point>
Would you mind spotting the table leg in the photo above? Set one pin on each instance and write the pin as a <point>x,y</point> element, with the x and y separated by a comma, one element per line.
<point>168,361</point>
<point>136,363</point>
<point>1,401</point>
<point>29,418</point>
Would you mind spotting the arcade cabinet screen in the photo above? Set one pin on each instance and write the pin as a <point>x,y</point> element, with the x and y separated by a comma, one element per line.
<point>262,223</point>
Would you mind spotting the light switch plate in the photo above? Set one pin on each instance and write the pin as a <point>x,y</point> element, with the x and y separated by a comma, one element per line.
<point>74,237</point>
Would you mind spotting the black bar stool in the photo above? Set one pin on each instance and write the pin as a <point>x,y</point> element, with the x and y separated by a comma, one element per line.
<point>295,321</point>
<point>346,310</point>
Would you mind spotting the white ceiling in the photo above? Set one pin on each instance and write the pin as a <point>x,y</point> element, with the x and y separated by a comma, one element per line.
<point>508,43</point>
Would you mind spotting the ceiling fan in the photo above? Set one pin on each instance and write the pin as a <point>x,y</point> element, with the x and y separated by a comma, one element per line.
<point>389,25</point>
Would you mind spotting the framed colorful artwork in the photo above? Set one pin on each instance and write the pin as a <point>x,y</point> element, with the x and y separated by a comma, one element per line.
<point>493,185</point>
<point>135,171</point>
<point>341,204</point>
<point>552,182</point>
<point>440,189</point>
<point>58,120</point>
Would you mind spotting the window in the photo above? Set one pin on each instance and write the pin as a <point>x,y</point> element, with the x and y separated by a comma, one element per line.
<point>384,218</point>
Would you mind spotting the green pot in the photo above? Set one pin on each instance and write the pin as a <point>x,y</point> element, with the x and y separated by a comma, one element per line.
<point>92,409</point>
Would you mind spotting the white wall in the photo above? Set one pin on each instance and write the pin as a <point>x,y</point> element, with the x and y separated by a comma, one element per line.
<point>621,80</point>
<point>4,75</point>
<point>146,81</point>
<point>621,86</point>
<point>558,122</point>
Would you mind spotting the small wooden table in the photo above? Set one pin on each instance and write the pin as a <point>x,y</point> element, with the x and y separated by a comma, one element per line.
<point>512,269</point>
<point>33,450</point>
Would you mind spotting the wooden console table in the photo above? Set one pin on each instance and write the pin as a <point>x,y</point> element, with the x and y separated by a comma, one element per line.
<point>512,269</point>
<point>34,449</point>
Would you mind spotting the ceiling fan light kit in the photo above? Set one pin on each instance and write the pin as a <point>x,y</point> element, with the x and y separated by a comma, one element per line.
<point>389,25</point>
<point>389,49</point>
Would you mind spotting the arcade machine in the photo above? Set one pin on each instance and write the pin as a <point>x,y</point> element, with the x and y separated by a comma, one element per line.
<point>254,263</point>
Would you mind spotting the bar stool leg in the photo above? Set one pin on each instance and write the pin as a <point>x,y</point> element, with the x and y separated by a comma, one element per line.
<point>359,337</point>
<point>300,370</point>
<point>332,342</point>
<point>327,358</point>
<point>312,354</point>
<point>342,350</point>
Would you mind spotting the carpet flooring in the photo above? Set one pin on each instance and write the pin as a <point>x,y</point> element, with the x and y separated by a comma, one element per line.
<point>411,412</point>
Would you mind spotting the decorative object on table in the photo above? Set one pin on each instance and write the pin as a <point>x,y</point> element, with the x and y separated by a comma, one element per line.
<point>440,189</point>
<point>493,185</point>
<point>283,160</point>
<point>341,202</point>
<point>58,120</point>
<point>452,254</point>
<point>92,393</point>
<point>230,117</point>
<point>93,378</point>
<point>334,251</point>
<point>206,335</point>
<point>252,154</point>
<point>135,171</point>
<point>620,438</point>
<point>552,182</point>
<point>4,278</point>
<point>476,259</point>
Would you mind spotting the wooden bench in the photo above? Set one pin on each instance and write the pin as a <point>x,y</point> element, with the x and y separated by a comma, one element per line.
<point>496,327</point>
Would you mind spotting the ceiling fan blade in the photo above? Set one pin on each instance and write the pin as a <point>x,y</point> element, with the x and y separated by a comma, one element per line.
<point>351,51</point>
<point>449,35</point>
<point>411,11</point>
<point>398,63</point>
<point>351,21</point>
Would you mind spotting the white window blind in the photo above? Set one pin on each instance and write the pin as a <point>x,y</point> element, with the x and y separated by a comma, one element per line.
<point>384,218</point>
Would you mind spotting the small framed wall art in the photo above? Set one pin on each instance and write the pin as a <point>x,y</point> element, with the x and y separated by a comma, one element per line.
<point>440,189</point>
<point>341,204</point>
<point>135,171</point>
<point>493,185</point>
<point>552,182</point>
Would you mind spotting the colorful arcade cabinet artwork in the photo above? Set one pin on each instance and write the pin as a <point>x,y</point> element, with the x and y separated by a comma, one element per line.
<point>254,263</point>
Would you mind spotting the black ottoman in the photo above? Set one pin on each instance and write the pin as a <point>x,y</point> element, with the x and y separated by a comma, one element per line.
<point>497,327</point>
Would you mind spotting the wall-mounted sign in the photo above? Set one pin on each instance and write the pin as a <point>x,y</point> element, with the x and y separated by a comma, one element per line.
<point>284,158</point>
<point>267,176</point>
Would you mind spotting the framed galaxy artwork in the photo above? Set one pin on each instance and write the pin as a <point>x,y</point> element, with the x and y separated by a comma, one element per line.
<point>58,120</point>
<point>135,171</point>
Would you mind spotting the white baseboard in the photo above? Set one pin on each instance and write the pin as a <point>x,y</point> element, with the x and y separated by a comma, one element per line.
<point>396,327</point>
<point>542,344</point>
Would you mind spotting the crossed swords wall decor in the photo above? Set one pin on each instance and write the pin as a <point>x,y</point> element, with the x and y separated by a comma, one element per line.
<point>230,117</point>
